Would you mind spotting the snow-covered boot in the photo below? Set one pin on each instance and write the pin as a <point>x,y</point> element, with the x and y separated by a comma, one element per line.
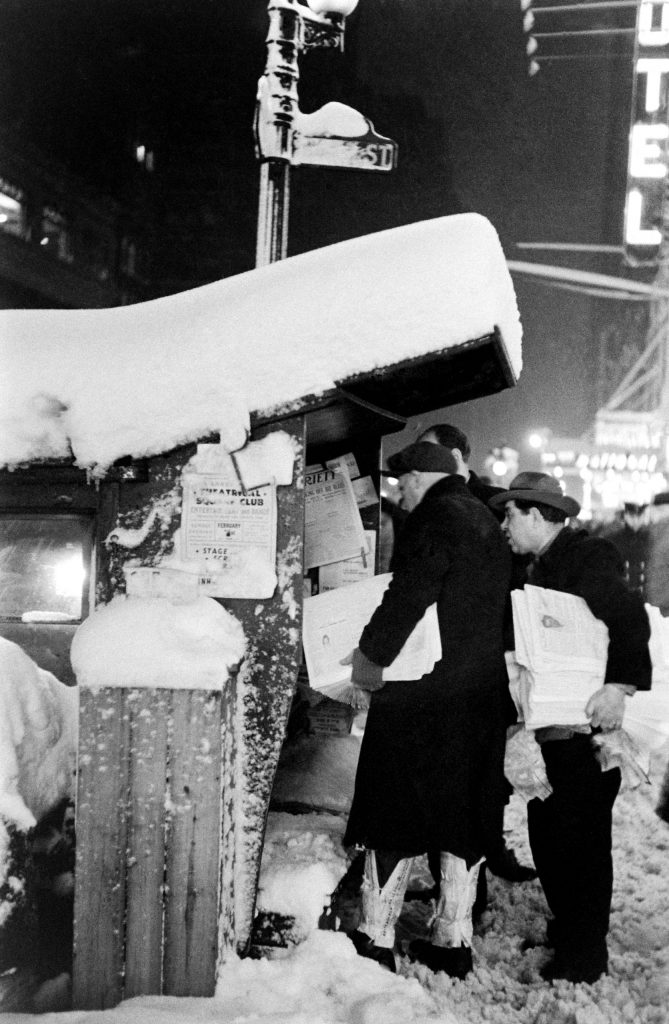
<point>381,908</point>
<point>452,923</point>
<point>449,947</point>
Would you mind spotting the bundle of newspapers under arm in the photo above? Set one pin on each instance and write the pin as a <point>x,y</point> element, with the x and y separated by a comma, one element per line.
<point>333,623</point>
<point>560,662</point>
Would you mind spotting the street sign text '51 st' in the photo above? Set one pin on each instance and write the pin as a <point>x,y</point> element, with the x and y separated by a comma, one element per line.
<point>338,136</point>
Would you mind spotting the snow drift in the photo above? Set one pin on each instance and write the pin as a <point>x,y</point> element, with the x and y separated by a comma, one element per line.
<point>38,738</point>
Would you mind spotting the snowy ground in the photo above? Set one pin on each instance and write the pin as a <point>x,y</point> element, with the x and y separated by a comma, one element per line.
<point>506,987</point>
<point>321,980</point>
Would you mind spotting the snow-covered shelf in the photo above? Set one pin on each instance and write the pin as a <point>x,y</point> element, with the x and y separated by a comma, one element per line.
<point>381,400</point>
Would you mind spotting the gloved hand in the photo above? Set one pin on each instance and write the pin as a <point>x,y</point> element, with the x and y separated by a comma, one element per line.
<point>606,707</point>
<point>365,674</point>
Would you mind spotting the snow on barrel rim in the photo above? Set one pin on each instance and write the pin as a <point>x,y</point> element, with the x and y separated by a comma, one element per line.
<point>151,642</point>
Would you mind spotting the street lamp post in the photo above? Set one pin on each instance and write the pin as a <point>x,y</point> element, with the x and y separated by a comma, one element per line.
<point>276,108</point>
<point>334,136</point>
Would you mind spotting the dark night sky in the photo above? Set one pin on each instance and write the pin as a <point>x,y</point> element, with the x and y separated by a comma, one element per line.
<point>543,158</point>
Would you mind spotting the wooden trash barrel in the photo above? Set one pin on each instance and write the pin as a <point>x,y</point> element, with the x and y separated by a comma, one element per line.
<point>148,843</point>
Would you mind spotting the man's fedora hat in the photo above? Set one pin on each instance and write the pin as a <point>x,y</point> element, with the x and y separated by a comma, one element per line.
<point>424,456</point>
<point>539,487</point>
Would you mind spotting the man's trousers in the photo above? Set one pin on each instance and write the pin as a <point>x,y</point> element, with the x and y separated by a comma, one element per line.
<point>570,838</point>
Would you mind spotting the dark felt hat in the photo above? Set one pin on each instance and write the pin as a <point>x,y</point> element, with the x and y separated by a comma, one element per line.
<point>635,508</point>
<point>662,498</point>
<point>540,487</point>
<point>424,456</point>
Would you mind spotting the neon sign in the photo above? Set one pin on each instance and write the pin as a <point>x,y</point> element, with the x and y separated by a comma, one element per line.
<point>648,159</point>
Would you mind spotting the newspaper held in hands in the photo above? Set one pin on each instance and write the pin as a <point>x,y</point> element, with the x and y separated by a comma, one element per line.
<point>561,651</point>
<point>560,661</point>
<point>333,623</point>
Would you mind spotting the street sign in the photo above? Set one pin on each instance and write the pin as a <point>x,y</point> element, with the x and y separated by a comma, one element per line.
<point>336,135</point>
<point>369,152</point>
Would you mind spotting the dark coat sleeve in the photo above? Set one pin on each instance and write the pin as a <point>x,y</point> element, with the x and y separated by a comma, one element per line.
<point>419,565</point>
<point>601,584</point>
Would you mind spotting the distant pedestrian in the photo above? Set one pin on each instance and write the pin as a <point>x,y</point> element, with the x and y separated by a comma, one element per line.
<point>457,441</point>
<point>632,537</point>
<point>657,584</point>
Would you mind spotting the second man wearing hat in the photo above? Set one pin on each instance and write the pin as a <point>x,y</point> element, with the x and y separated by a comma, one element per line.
<point>570,831</point>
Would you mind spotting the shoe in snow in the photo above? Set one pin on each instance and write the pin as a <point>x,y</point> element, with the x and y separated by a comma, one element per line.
<point>456,961</point>
<point>577,973</point>
<point>365,947</point>
<point>506,865</point>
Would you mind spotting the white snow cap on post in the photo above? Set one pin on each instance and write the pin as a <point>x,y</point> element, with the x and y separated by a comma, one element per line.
<point>102,384</point>
<point>139,642</point>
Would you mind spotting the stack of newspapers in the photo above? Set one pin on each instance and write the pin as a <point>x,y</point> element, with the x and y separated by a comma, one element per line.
<point>332,626</point>
<point>560,661</point>
<point>561,653</point>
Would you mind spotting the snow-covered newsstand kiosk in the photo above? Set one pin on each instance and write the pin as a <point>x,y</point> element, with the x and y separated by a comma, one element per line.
<point>153,523</point>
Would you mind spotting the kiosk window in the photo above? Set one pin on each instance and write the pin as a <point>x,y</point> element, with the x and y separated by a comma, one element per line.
<point>12,210</point>
<point>44,567</point>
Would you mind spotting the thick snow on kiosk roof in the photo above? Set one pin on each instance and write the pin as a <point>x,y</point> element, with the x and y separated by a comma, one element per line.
<point>137,380</point>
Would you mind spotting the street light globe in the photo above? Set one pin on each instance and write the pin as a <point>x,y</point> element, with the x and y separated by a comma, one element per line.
<point>499,467</point>
<point>343,7</point>
<point>535,440</point>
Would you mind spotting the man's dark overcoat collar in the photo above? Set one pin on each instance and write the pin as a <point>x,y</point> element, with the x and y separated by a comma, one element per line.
<point>558,545</point>
<point>447,485</point>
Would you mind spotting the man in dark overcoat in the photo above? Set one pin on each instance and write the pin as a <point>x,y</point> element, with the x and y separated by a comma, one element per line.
<point>632,537</point>
<point>431,768</point>
<point>502,861</point>
<point>570,831</point>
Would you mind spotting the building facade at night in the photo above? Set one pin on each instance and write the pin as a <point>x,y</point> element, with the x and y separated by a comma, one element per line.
<point>62,243</point>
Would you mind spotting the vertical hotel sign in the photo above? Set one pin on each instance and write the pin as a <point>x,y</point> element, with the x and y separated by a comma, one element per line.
<point>648,158</point>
